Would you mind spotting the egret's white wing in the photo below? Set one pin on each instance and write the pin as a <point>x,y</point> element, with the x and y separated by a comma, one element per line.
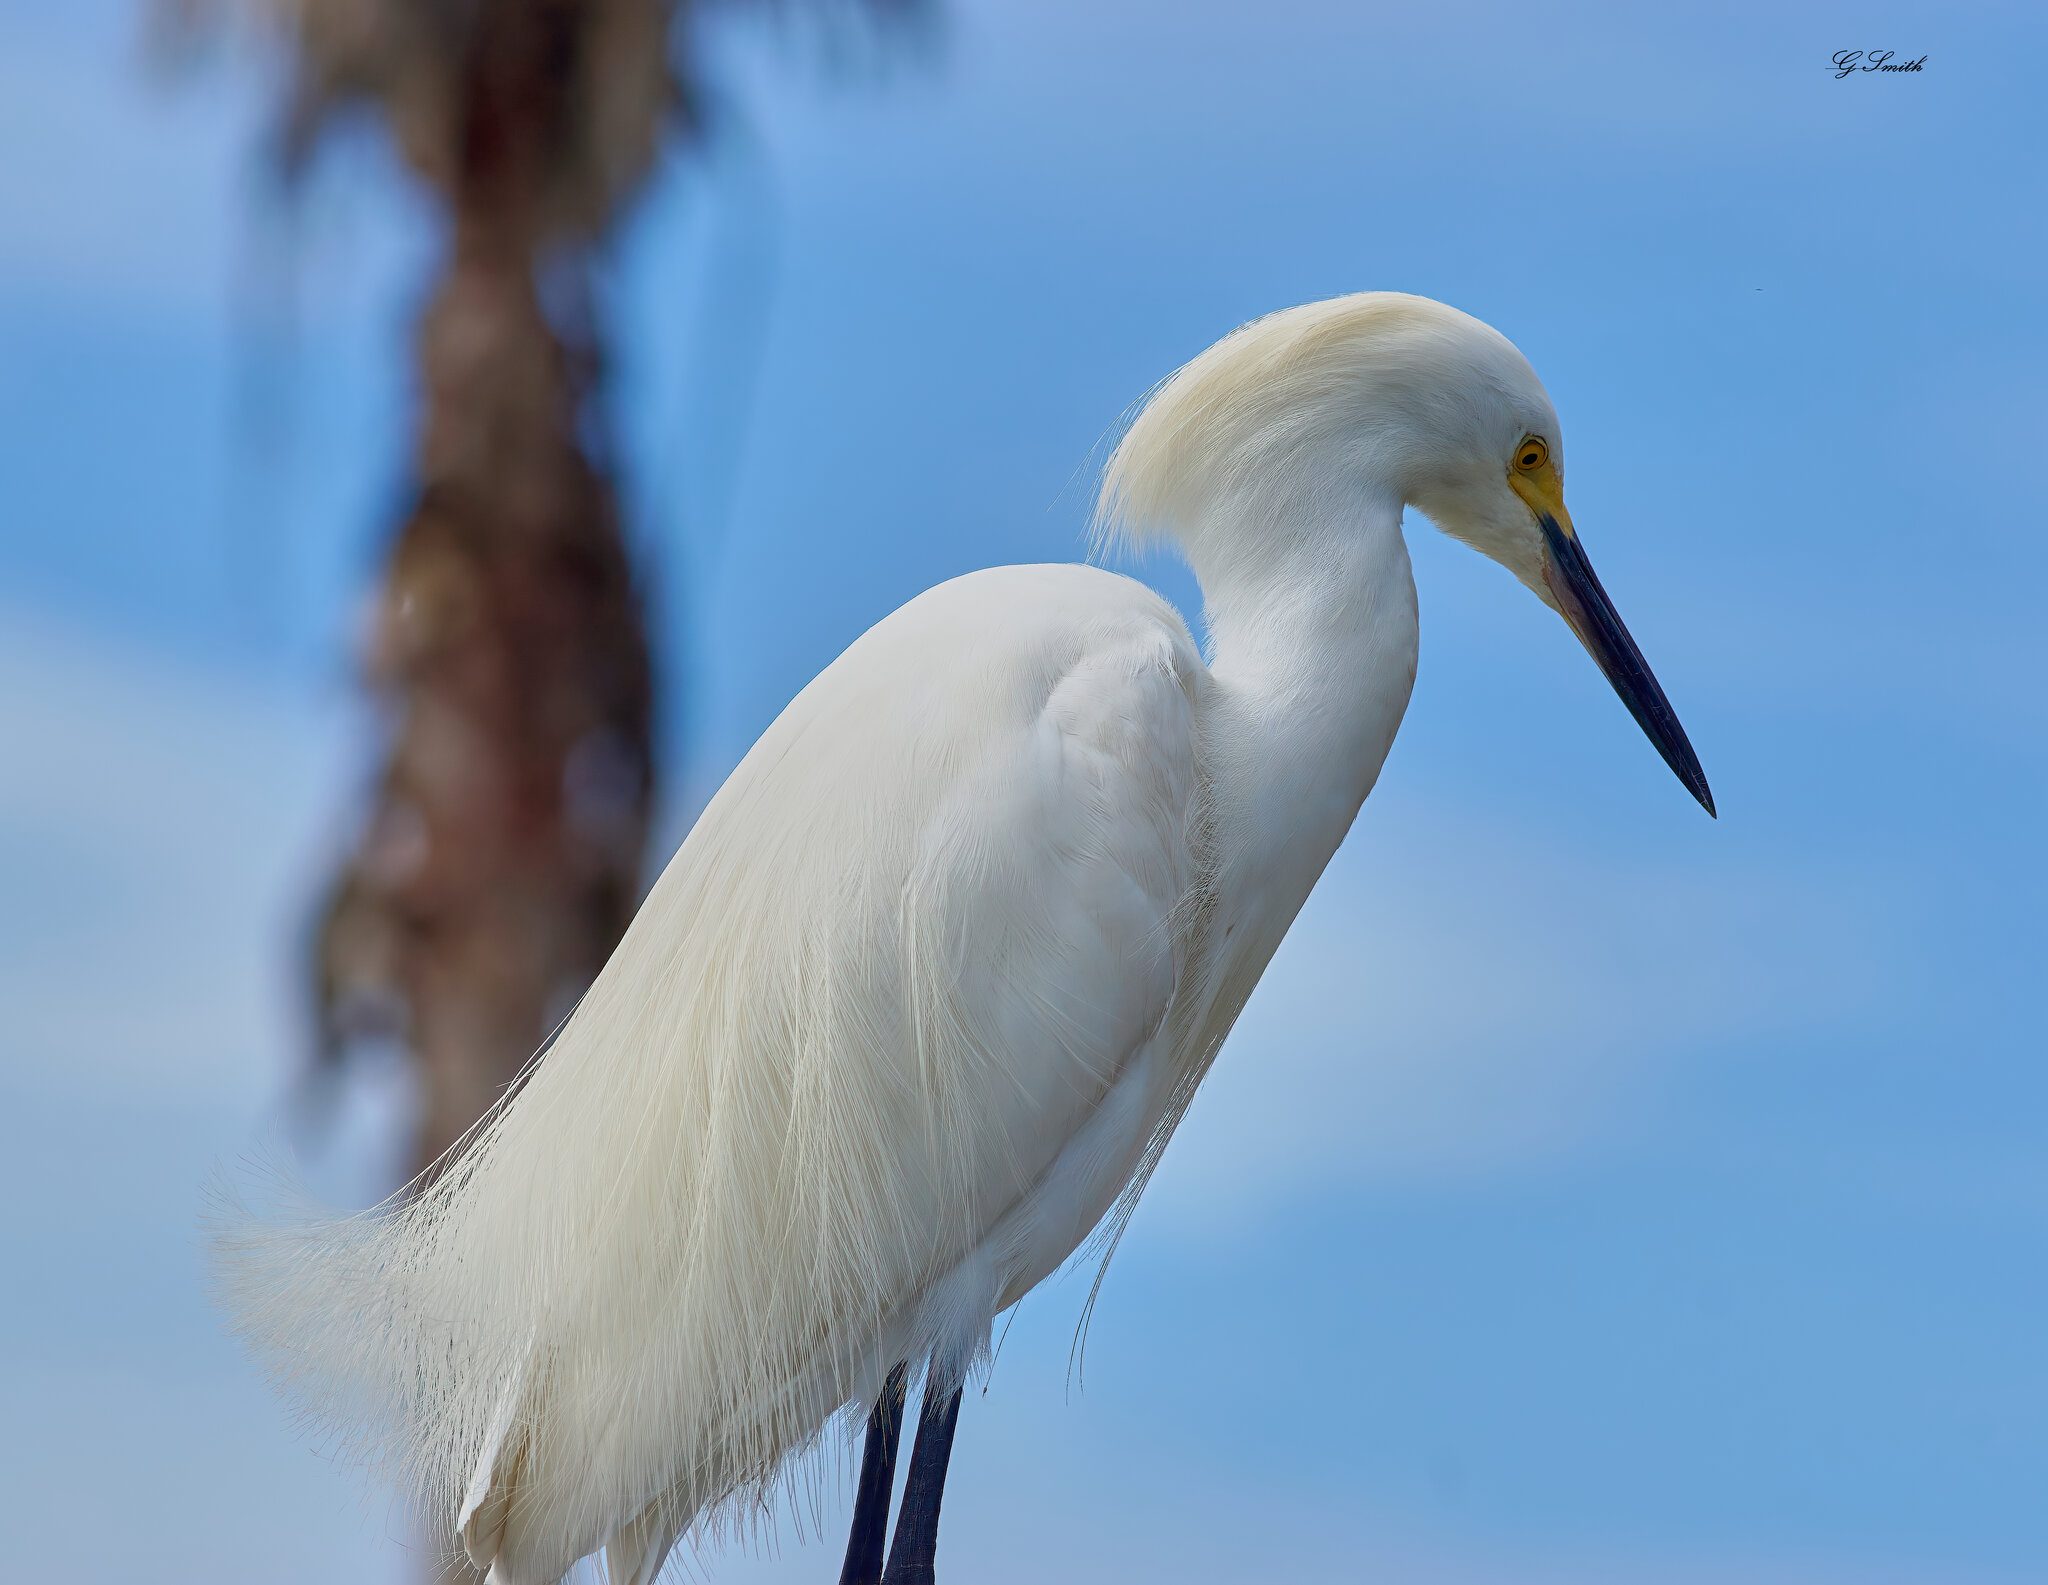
<point>906,951</point>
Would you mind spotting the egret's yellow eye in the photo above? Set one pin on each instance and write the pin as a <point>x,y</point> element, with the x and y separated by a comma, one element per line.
<point>1531,454</point>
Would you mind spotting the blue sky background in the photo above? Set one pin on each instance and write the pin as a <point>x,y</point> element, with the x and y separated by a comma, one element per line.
<point>1593,1193</point>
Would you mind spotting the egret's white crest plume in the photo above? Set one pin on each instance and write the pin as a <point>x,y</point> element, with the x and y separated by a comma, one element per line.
<point>921,999</point>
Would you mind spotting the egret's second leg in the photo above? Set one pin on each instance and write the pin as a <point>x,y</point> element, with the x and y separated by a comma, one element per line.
<point>870,1532</point>
<point>912,1553</point>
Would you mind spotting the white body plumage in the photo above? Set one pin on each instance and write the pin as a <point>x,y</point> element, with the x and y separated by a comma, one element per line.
<point>922,996</point>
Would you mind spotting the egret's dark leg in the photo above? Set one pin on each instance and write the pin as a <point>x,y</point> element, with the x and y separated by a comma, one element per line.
<point>871,1493</point>
<point>916,1545</point>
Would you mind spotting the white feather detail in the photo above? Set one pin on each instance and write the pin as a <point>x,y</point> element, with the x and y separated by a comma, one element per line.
<point>801,1125</point>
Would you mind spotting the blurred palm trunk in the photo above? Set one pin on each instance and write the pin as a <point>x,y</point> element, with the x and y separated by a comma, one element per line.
<point>500,859</point>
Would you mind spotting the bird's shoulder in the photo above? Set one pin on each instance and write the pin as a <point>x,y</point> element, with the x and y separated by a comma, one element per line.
<point>977,664</point>
<point>1021,742</point>
<point>1031,729</point>
<point>1081,690</point>
<point>1043,618</point>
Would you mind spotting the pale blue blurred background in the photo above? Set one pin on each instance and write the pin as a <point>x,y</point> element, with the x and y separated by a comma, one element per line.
<point>1593,1193</point>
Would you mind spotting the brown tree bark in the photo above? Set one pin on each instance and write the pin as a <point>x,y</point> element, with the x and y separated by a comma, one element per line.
<point>499,861</point>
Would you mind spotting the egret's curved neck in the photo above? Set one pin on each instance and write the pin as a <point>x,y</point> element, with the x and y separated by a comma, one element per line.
<point>1313,652</point>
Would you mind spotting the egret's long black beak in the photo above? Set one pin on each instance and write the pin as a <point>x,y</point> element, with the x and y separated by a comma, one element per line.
<point>1592,616</point>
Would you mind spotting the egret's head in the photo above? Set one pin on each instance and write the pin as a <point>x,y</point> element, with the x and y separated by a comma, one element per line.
<point>1297,428</point>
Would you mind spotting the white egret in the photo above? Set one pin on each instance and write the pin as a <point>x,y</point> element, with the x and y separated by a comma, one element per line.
<point>922,997</point>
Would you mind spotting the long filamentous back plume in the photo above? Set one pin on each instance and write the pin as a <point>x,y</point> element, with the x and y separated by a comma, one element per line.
<point>602,1243</point>
<point>602,1247</point>
<point>762,1144</point>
